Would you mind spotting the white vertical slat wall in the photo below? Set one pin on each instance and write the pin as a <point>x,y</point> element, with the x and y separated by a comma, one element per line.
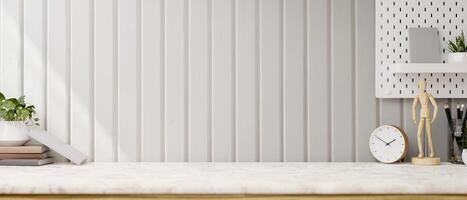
<point>176,87</point>
<point>57,78</point>
<point>246,79</point>
<point>294,67</point>
<point>81,134</point>
<point>128,76</point>
<point>11,53</point>
<point>201,80</point>
<point>34,60</point>
<point>105,92</point>
<point>223,137</point>
<point>342,80</point>
<point>319,81</point>
<point>152,80</point>
<point>270,81</point>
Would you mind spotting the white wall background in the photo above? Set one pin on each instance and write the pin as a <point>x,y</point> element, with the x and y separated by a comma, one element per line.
<point>199,80</point>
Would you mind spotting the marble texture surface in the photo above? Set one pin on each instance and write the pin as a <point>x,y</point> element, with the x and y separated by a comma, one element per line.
<point>234,178</point>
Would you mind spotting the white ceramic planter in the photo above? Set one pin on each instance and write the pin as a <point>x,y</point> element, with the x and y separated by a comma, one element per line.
<point>457,58</point>
<point>14,133</point>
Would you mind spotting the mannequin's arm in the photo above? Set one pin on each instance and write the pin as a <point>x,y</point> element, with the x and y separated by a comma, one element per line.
<point>414,109</point>
<point>435,107</point>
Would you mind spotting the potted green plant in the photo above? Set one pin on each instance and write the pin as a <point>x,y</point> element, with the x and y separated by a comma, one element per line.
<point>15,117</point>
<point>458,50</point>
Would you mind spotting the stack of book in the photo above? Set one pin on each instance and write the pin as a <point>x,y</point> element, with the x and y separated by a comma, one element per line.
<point>38,154</point>
<point>25,155</point>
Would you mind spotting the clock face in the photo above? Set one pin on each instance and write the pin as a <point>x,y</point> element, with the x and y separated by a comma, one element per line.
<point>388,144</point>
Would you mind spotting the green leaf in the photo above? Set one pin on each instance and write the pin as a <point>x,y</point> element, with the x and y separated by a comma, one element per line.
<point>10,104</point>
<point>452,47</point>
<point>13,109</point>
<point>10,115</point>
<point>458,45</point>
<point>21,101</point>
<point>3,113</point>
<point>24,111</point>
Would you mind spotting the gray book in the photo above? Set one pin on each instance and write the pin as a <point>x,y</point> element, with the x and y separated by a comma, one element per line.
<point>58,146</point>
<point>424,45</point>
<point>26,162</point>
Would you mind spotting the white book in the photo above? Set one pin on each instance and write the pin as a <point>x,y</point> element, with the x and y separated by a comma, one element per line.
<point>58,146</point>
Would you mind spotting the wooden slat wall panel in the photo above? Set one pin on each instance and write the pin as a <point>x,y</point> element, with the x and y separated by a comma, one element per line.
<point>318,80</point>
<point>271,106</point>
<point>202,80</point>
<point>152,85</point>
<point>199,127</point>
<point>223,80</point>
<point>342,81</point>
<point>365,110</point>
<point>11,66</point>
<point>247,80</point>
<point>294,73</point>
<point>81,81</point>
<point>175,77</point>
<point>34,56</point>
<point>105,77</point>
<point>128,81</point>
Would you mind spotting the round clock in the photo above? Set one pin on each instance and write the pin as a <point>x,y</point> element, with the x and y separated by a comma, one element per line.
<point>388,144</point>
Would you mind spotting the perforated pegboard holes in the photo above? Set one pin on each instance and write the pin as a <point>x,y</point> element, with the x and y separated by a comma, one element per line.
<point>393,19</point>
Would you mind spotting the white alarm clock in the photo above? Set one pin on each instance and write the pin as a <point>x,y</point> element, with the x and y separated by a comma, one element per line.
<point>388,144</point>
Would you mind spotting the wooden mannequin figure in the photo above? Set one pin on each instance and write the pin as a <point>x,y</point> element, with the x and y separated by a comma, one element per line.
<point>425,122</point>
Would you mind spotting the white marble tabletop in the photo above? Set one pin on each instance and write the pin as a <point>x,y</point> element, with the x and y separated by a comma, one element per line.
<point>234,178</point>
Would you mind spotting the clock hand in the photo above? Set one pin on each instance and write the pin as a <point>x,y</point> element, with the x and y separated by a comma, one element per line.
<point>389,144</point>
<point>382,140</point>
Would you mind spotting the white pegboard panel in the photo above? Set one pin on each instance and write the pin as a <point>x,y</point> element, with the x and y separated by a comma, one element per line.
<point>393,19</point>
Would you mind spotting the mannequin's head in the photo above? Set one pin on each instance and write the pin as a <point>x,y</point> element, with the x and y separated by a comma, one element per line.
<point>422,85</point>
